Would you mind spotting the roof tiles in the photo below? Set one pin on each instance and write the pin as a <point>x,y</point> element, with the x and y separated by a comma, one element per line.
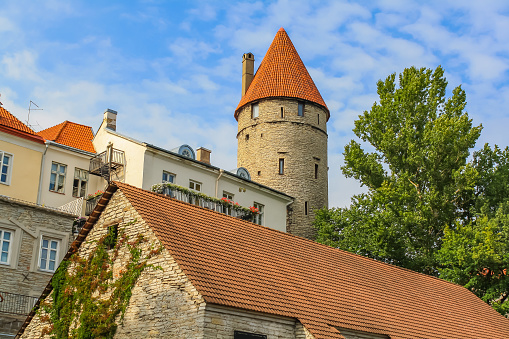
<point>282,74</point>
<point>70,134</point>
<point>9,120</point>
<point>236,263</point>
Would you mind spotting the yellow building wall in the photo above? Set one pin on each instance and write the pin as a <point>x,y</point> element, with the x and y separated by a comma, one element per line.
<point>26,167</point>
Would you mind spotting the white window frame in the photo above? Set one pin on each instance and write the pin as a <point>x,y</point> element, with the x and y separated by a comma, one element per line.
<point>57,253</point>
<point>10,156</point>
<point>57,174</point>
<point>195,185</point>
<point>259,218</point>
<point>10,241</point>
<point>81,180</point>
<point>169,175</point>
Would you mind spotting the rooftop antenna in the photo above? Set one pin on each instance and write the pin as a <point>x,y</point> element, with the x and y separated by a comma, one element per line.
<point>30,109</point>
<point>1,102</point>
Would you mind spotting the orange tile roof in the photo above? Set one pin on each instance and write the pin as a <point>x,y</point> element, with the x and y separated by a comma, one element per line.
<point>282,74</point>
<point>70,134</point>
<point>9,120</point>
<point>236,263</point>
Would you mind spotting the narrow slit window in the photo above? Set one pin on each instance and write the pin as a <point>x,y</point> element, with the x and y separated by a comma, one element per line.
<point>318,119</point>
<point>255,111</point>
<point>300,111</point>
<point>281,166</point>
<point>282,112</point>
<point>316,171</point>
<point>305,207</point>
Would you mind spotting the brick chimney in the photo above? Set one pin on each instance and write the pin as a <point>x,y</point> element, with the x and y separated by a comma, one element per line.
<point>203,155</point>
<point>110,116</point>
<point>247,71</point>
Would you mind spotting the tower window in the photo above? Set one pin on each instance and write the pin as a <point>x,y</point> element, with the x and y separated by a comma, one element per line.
<point>318,119</point>
<point>247,137</point>
<point>255,111</point>
<point>316,171</point>
<point>282,112</point>
<point>305,207</point>
<point>281,166</point>
<point>300,112</point>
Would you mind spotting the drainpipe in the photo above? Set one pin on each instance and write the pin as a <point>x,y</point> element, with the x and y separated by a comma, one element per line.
<point>41,175</point>
<point>221,171</point>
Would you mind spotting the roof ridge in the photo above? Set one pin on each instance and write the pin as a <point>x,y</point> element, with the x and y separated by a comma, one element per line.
<point>64,124</point>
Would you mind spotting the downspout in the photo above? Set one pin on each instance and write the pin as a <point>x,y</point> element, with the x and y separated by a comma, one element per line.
<point>221,171</point>
<point>41,174</point>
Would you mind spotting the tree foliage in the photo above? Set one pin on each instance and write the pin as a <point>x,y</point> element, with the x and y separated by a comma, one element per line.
<point>426,208</point>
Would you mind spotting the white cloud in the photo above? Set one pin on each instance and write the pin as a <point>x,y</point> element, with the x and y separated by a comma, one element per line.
<point>21,66</point>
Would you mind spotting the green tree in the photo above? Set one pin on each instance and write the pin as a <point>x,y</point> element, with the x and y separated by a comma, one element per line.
<point>475,252</point>
<point>416,143</point>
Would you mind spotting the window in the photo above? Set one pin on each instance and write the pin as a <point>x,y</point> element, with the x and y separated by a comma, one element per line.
<point>300,112</point>
<point>318,119</point>
<point>5,168</point>
<point>48,259</point>
<point>254,111</point>
<point>79,185</point>
<point>281,166</point>
<point>57,179</point>
<point>316,171</point>
<point>305,208</point>
<point>194,185</point>
<point>168,177</point>
<point>227,209</point>
<point>111,238</point>
<point>247,137</point>
<point>246,335</point>
<point>5,246</point>
<point>258,219</point>
<point>282,112</point>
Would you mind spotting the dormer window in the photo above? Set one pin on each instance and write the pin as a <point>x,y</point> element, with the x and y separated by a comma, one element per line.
<point>255,112</point>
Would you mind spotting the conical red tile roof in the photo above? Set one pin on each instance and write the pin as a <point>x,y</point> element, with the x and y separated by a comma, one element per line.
<point>282,74</point>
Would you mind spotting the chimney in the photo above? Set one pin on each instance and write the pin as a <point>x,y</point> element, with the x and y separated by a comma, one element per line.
<point>203,155</point>
<point>247,71</point>
<point>110,116</point>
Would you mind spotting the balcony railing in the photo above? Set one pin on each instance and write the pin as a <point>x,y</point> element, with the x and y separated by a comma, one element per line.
<point>104,163</point>
<point>91,203</point>
<point>219,205</point>
<point>19,304</point>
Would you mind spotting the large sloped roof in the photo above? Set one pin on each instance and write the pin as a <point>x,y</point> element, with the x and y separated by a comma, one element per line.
<point>237,263</point>
<point>282,74</point>
<point>70,134</point>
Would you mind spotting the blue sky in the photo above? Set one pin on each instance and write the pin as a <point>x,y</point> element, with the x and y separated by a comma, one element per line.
<point>172,69</point>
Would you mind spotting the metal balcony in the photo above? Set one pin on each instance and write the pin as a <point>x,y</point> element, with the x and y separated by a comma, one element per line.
<point>107,163</point>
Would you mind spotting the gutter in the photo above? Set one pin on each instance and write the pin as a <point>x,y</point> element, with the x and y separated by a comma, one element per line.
<point>221,171</point>
<point>41,175</point>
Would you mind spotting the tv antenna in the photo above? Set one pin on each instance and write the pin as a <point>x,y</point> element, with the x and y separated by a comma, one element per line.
<point>1,102</point>
<point>30,109</point>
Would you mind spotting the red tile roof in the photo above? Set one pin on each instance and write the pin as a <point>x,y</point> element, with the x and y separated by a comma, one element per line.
<point>70,134</point>
<point>236,263</point>
<point>282,74</point>
<point>12,125</point>
<point>9,120</point>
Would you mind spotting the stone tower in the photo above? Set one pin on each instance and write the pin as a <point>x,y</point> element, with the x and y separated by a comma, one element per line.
<point>282,131</point>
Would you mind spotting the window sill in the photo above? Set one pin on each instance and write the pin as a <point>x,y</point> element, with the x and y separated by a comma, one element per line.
<point>57,192</point>
<point>5,183</point>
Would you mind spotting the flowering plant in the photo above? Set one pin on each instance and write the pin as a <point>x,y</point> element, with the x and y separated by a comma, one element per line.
<point>96,194</point>
<point>254,210</point>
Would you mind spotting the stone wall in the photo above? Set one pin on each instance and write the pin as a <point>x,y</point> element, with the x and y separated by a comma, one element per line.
<point>301,141</point>
<point>21,276</point>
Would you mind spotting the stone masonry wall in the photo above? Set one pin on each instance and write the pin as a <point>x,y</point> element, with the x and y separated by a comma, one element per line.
<point>222,322</point>
<point>300,141</point>
<point>164,303</point>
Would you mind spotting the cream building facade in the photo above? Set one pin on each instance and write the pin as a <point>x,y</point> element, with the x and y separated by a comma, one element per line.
<point>146,165</point>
